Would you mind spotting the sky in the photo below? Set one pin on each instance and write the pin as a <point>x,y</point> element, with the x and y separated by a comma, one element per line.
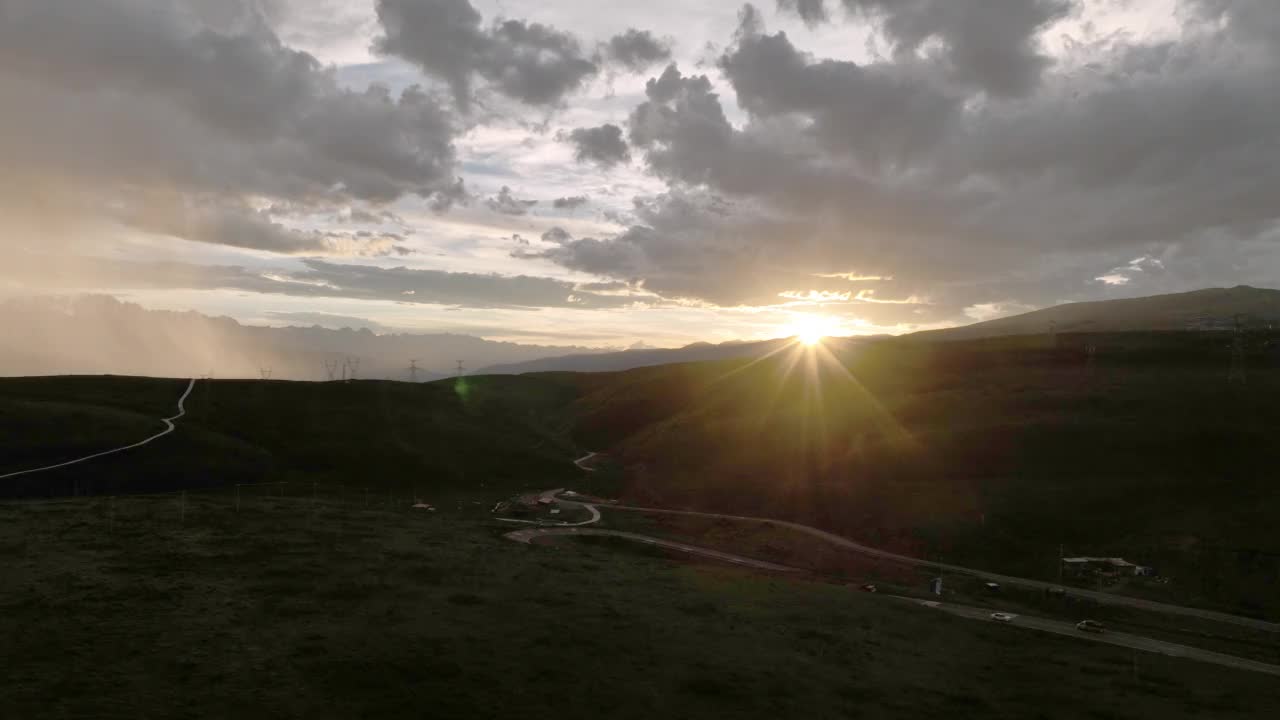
<point>572,172</point>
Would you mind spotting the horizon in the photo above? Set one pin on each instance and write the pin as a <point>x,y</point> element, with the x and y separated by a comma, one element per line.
<point>724,173</point>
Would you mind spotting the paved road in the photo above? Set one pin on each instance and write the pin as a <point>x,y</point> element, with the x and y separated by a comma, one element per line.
<point>1058,627</point>
<point>168,428</point>
<point>552,495</point>
<point>1101,597</point>
<point>528,536</point>
<point>1136,642</point>
<point>581,462</point>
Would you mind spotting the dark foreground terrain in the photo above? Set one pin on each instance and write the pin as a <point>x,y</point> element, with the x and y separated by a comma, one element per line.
<point>323,608</point>
<point>263,559</point>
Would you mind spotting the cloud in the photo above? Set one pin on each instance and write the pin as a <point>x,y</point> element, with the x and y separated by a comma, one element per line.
<point>898,166</point>
<point>637,50</point>
<point>324,320</point>
<point>812,12</point>
<point>507,204</point>
<point>988,44</point>
<point>982,312</point>
<point>310,277</point>
<point>530,62</point>
<point>602,145</point>
<point>852,276</point>
<point>125,103</point>
<point>570,203</point>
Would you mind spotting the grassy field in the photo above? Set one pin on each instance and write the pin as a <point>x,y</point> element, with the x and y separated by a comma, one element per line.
<point>991,454</point>
<point>324,607</point>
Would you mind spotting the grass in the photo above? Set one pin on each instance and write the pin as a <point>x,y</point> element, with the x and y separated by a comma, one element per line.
<point>991,454</point>
<point>296,606</point>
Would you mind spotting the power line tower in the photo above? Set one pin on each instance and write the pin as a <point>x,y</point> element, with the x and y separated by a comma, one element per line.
<point>266,373</point>
<point>413,371</point>
<point>1237,374</point>
<point>351,368</point>
<point>331,366</point>
<point>1091,357</point>
<point>461,368</point>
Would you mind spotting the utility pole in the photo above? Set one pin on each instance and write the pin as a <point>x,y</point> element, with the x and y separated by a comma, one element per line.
<point>413,371</point>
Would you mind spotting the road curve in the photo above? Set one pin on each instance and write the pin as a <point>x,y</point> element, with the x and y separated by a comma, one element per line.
<point>169,427</point>
<point>1101,597</point>
<point>551,495</point>
<point>1058,627</point>
<point>528,536</point>
<point>1136,642</point>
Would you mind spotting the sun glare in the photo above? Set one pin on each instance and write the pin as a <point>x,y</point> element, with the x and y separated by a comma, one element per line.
<point>810,329</point>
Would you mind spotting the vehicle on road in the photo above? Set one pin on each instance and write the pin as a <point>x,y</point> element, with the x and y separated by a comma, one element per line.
<point>869,587</point>
<point>1002,617</point>
<point>1092,626</point>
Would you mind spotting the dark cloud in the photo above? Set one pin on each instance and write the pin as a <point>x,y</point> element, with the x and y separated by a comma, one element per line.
<point>444,288</point>
<point>314,278</point>
<point>637,50</point>
<point>530,62</point>
<point>124,102</point>
<point>811,11</point>
<point>1166,150</point>
<point>507,204</point>
<point>570,203</point>
<point>602,145</point>
<point>988,44</point>
<point>556,235</point>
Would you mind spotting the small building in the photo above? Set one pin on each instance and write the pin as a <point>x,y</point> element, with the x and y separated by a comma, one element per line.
<point>1111,566</point>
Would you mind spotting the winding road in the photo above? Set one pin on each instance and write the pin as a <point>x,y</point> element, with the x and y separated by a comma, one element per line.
<point>168,428</point>
<point>1100,597</point>
<point>1136,642</point>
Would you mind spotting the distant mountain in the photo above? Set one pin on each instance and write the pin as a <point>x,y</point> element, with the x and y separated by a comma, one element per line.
<point>628,359</point>
<point>95,334</point>
<point>1210,309</point>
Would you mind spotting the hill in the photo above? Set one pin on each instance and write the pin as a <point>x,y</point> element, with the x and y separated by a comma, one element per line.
<point>472,435</point>
<point>1209,309</point>
<point>630,359</point>
<point>988,453</point>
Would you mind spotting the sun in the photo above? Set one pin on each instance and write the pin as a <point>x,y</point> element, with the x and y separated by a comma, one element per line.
<point>810,329</point>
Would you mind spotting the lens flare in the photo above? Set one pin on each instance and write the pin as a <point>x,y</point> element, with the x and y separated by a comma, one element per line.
<point>809,329</point>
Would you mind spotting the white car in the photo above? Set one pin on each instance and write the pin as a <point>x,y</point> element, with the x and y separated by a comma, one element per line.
<point>1002,617</point>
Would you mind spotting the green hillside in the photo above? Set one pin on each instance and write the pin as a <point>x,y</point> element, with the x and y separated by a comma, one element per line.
<point>493,433</point>
<point>989,453</point>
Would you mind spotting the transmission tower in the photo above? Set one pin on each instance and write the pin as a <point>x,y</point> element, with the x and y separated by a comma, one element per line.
<point>331,366</point>
<point>351,368</point>
<point>266,373</point>
<point>413,371</point>
<point>461,369</point>
<point>1237,373</point>
<point>1091,356</point>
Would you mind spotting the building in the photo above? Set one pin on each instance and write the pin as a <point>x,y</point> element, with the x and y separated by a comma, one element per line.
<point>1110,566</point>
